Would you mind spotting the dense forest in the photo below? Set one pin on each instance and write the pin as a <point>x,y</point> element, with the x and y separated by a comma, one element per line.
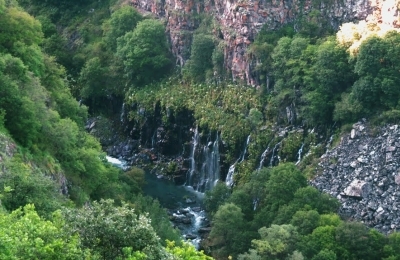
<point>62,62</point>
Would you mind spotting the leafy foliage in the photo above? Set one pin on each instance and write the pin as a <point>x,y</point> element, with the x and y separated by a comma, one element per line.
<point>25,235</point>
<point>107,230</point>
<point>144,52</point>
<point>121,21</point>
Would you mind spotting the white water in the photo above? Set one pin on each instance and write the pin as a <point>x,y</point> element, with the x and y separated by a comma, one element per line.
<point>204,170</point>
<point>299,154</point>
<point>272,160</point>
<point>231,171</point>
<point>122,116</point>
<point>229,176</point>
<point>262,158</point>
<point>116,162</point>
<point>197,220</point>
<point>245,149</point>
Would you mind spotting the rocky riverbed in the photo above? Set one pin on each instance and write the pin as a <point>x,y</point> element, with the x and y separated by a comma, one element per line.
<point>363,172</point>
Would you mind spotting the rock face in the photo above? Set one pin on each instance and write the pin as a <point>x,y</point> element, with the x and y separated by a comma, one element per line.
<point>363,172</point>
<point>241,20</point>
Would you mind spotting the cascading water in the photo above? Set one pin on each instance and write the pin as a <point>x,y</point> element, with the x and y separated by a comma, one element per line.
<point>272,160</point>
<point>229,176</point>
<point>117,163</point>
<point>204,164</point>
<point>122,116</point>
<point>262,158</point>
<point>245,149</point>
<point>192,170</point>
<point>231,171</point>
<point>329,143</point>
<point>154,139</point>
<point>299,154</point>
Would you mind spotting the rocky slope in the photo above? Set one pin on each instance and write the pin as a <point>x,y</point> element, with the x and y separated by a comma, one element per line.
<point>363,172</point>
<point>241,20</point>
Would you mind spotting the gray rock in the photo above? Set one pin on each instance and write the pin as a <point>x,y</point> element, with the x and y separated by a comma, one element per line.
<point>390,148</point>
<point>353,133</point>
<point>397,179</point>
<point>358,189</point>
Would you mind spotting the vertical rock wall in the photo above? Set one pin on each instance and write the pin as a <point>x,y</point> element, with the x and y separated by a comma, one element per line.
<point>241,20</point>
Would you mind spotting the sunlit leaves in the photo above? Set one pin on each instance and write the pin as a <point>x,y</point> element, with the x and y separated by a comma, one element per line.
<point>17,25</point>
<point>24,235</point>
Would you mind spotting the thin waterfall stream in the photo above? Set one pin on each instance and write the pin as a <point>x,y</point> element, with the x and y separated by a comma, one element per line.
<point>231,171</point>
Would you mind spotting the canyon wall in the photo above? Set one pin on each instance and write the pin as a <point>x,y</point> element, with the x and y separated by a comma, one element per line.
<point>241,20</point>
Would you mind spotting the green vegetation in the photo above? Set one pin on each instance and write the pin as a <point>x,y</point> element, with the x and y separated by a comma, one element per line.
<point>47,159</point>
<point>104,53</point>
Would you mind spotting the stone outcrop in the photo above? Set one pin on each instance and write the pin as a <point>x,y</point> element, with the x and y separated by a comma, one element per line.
<point>363,172</point>
<point>241,20</point>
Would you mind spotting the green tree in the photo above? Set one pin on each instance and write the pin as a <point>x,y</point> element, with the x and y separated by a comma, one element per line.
<point>144,52</point>
<point>200,56</point>
<point>325,254</point>
<point>358,242</point>
<point>285,180</point>
<point>322,238</point>
<point>122,21</point>
<point>25,235</point>
<point>330,75</point>
<point>276,242</point>
<point>216,197</point>
<point>18,26</point>
<point>186,251</point>
<point>227,233</point>
<point>305,221</point>
<point>107,230</point>
<point>159,218</point>
<point>392,249</point>
<point>377,66</point>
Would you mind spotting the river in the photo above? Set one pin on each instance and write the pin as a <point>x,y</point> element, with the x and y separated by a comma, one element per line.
<point>184,204</point>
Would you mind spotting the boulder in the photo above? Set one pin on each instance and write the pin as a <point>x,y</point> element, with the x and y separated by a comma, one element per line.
<point>357,189</point>
<point>353,133</point>
<point>397,179</point>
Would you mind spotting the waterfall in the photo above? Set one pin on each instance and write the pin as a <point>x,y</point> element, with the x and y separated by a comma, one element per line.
<point>229,176</point>
<point>209,174</point>
<point>272,160</point>
<point>299,154</point>
<point>245,149</point>
<point>262,158</point>
<point>329,143</point>
<point>122,116</point>
<point>154,139</point>
<point>231,171</point>
<point>192,170</point>
<point>204,164</point>
<point>255,203</point>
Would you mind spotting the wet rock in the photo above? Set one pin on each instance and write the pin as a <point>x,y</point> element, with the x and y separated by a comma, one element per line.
<point>190,201</point>
<point>205,230</point>
<point>190,236</point>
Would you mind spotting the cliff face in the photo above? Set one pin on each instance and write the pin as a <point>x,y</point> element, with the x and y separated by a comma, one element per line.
<point>241,20</point>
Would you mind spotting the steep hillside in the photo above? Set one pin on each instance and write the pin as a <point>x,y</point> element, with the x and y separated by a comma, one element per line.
<point>238,23</point>
<point>362,171</point>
